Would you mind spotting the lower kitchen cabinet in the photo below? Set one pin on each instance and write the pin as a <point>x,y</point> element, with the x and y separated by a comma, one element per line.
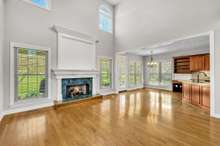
<point>186,92</point>
<point>205,97</point>
<point>197,94</point>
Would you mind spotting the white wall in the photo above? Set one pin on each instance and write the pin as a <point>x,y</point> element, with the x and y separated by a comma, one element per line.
<point>148,22</point>
<point>1,53</point>
<point>217,72</point>
<point>26,23</point>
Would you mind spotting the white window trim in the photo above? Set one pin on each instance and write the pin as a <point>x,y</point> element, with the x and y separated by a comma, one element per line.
<point>47,9</point>
<point>99,68</point>
<point>13,102</point>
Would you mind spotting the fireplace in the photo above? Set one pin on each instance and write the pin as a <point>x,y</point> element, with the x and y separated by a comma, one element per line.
<point>76,88</point>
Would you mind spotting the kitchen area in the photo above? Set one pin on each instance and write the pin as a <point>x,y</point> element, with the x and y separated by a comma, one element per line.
<point>195,85</point>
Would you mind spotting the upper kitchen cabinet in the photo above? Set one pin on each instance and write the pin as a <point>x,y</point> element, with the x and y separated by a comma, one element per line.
<point>196,63</point>
<point>207,62</point>
<point>200,63</point>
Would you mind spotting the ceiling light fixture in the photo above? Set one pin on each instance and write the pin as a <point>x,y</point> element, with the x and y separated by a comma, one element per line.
<point>151,63</point>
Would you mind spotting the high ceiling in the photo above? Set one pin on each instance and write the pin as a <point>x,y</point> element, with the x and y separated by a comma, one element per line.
<point>114,2</point>
<point>144,23</point>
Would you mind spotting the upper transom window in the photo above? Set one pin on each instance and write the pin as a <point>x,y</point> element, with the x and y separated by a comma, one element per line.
<point>106,18</point>
<point>45,4</point>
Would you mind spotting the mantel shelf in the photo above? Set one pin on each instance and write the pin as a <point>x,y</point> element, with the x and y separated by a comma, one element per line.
<point>63,72</point>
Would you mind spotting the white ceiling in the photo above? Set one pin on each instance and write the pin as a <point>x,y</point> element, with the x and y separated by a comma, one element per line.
<point>114,2</point>
<point>143,23</point>
<point>198,43</point>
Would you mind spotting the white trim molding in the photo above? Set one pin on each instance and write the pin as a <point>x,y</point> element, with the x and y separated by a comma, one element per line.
<point>22,104</point>
<point>31,106</point>
<point>71,43</point>
<point>212,75</point>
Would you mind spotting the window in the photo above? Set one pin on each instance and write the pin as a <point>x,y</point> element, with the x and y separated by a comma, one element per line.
<point>122,71</point>
<point>131,77</point>
<point>105,73</point>
<point>153,74</point>
<point>135,73</point>
<point>106,18</point>
<point>138,74</point>
<point>166,72</point>
<point>160,74</point>
<point>29,75</point>
<point>45,4</point>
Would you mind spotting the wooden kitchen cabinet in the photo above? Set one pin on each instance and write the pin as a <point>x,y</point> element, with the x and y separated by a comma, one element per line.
<point>195,94</point>
<point>196,63</point>
<point>186,92</point>
<point>205,97</point>
<point>206,62</point>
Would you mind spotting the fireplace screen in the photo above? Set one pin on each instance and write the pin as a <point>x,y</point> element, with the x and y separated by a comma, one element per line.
<point>76,88</point>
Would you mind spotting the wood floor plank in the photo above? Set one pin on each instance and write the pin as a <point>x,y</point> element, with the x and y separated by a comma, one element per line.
<point>139,118</point>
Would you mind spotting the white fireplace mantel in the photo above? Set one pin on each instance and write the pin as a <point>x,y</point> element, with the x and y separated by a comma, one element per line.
<point>66,73</point>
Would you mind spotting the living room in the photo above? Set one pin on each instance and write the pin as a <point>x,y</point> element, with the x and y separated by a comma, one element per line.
<point>107,66</point>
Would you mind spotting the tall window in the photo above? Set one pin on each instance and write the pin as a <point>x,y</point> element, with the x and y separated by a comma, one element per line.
<point>160,74</point>
<point>138,74</point>
<point>45,4</point>
<point>135,73</point>
<point>31,73</point>
<point>131,72</point>
<point>121,63</point>
<point>106,18</point>
<point>166,72</point>
<point>105,73</point>
<point>153,74</point>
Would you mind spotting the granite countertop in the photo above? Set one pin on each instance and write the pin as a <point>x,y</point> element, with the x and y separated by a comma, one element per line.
<point>195,83</point>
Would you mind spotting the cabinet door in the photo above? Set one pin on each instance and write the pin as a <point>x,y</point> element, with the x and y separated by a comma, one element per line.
<point>196,63</point>
<point>195,97</point>
<point>186,94</point>
<point>205,97</point>
<point>207,62</point>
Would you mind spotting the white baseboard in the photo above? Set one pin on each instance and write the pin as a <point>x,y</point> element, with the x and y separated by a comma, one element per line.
<point>135,88</point>
<point>28,108</point>
<point>108,92</point>
<point>160,88</point>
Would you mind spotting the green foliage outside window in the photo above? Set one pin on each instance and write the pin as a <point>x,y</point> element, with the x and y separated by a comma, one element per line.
<point>31,73</point>
<point>105,66</point>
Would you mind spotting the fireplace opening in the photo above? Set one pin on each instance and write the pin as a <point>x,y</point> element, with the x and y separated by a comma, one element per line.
<point>77,90</point>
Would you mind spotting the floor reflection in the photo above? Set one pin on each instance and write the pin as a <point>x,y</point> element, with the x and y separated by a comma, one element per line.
<point>150,104</point>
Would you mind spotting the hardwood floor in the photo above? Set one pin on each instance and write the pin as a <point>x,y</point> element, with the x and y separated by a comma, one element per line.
<point>140,118</point>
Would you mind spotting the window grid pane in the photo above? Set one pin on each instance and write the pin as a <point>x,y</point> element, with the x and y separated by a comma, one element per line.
<point>41,3</point>
<point>31,74</point>
<point>105,19</point>
<point>105,73</point>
